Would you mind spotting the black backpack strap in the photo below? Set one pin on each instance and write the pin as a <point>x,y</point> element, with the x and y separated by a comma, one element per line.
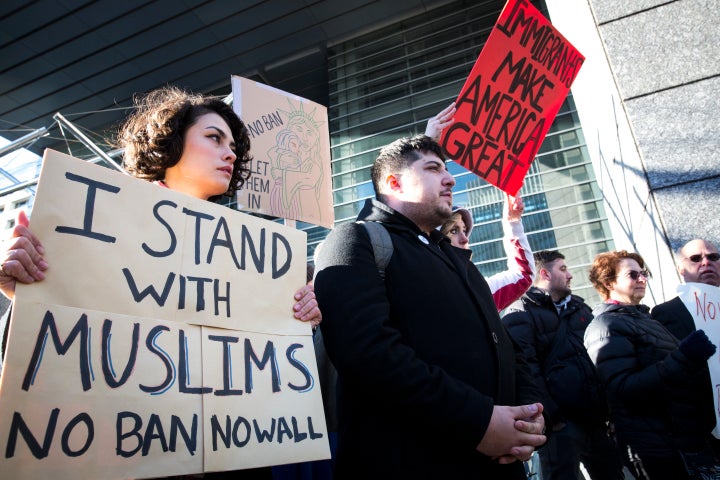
<point>382,250</point>
<point>381,243</point>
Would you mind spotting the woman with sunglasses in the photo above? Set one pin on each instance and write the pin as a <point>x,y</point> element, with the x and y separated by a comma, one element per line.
<point>654,382</point>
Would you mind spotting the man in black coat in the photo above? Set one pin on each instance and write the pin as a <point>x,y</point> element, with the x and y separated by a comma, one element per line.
<point>429,383</point>
<point>549,323</point>
<point>698,262</point>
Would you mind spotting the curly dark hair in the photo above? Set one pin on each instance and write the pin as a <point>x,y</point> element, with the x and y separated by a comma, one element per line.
<point>153,136</point>
<point>605,266</point>
<point>399,155</point>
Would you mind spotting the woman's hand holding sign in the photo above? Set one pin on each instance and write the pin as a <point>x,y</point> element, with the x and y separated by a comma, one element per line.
<point>23,258</point>
<point>437,124</point>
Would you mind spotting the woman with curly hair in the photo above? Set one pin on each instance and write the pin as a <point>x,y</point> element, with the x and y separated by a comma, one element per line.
<point>655,384</point>
<point>189,143</point>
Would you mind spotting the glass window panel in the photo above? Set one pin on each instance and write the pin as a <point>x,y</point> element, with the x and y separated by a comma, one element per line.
<point>351,178</point>
<point>347,211</point>
<point>559,141</point>
<point>353,193</point>
<point>387,83</point>
<point>352,161</point>
<point>484,254</point>
<point>485,232</point>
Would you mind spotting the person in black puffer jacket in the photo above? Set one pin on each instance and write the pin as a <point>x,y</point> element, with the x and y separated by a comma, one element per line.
<point>549,323</point>
<point>654,383</point>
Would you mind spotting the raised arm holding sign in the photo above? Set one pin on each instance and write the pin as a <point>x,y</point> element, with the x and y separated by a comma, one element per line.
<point>156,342</point>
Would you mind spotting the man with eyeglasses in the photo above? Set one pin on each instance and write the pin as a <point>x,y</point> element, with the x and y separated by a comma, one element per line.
<point>698,262</point>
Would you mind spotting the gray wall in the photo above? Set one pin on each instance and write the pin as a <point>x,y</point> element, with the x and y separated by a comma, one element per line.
<point>666,60</point>
<point>647,98</point>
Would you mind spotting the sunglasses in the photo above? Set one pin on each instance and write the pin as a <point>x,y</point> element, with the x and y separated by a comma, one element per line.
<point>634,274</point>
<point>697,258</point>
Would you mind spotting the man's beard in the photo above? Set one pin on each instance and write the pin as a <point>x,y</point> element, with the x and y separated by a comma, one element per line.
<point>442,214</point>
<point>563,291</point>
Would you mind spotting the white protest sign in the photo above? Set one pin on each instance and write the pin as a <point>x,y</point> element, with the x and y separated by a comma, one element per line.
<point>703,303</point>
<point>290,146</point>
<point>161,341</point>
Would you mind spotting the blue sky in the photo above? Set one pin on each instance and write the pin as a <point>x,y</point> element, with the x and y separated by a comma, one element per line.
<point>21,164</point>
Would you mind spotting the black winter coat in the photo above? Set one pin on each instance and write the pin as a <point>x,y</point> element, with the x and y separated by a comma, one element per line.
<point>655,392</point>
<point>675,316</point>
<point>533,321</point>
<point>422,356</point>
<point>677,319</point>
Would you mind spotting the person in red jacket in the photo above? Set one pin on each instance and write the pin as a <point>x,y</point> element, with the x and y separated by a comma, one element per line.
<point>698,261</point>
<point>509,285</point>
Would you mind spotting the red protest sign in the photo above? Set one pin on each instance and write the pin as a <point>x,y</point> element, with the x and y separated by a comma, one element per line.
<point>511,96</point>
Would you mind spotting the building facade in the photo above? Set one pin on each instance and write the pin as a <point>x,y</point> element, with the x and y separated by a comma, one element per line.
<point>387,83</point>
<point>647,100</point>
<point>630,162</point>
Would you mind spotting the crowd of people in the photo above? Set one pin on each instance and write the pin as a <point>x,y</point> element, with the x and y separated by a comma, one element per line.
<point>431,381</point>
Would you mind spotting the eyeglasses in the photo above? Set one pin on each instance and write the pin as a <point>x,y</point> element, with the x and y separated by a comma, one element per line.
<point>697,258</point>
<point>634,274</point>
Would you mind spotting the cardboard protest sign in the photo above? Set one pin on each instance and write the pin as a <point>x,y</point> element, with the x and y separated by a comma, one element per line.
<point>161,341</point>
<point>703,303</point>
<point>511,97</point>
<point>290,146</point>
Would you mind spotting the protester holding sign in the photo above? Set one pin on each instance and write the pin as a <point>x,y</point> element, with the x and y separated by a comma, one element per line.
<point>698,262</point>
<point>509,100</point>
<point>655,384</point>
<point>188,143</point>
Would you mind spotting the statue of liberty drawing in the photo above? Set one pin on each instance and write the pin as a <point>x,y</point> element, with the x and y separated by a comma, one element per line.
<point>296,165</point>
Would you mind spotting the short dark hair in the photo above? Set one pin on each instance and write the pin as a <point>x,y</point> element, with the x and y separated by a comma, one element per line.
<point>154,135</point>
<point>399,155</point>
<point>544,258</point>
<point>605,266</point>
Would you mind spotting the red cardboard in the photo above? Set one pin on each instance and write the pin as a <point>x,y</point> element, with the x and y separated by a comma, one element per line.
<point>511,97</point>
